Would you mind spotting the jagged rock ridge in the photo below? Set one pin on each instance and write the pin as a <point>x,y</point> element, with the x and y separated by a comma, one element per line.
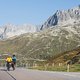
<point>64,17</point>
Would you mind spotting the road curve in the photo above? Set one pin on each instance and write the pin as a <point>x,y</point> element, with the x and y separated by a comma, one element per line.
<point>26,74</point>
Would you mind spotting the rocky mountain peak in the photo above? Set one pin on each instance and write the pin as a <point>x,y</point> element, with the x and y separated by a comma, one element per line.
<point>63,17</point>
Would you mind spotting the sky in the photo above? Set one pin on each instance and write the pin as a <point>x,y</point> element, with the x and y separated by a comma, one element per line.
<point>31,11</point>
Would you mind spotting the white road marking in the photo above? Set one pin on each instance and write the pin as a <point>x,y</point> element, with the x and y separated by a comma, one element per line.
<point>72,75</point>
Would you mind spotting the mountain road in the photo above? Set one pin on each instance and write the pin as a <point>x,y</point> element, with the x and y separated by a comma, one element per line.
<point>28,74</point>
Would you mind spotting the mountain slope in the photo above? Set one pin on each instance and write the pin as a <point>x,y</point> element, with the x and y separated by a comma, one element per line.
<point>44,44</point>
<point>47,43</point>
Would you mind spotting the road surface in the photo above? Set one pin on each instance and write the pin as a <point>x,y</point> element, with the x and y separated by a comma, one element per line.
<point>26,74</point>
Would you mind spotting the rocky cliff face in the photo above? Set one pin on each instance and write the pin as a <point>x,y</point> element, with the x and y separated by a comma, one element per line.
<point>64,17</point>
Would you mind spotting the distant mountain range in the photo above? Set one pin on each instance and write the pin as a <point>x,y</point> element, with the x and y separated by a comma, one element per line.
<point>60,18</point>
<point>10,30</point>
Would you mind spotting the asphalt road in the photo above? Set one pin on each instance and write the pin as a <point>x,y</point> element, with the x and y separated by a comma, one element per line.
<point>4,75</point>
<point>26,74</point>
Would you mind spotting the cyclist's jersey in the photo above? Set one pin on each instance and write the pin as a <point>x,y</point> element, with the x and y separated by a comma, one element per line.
<point>14,59</point>
<point>9,59</point>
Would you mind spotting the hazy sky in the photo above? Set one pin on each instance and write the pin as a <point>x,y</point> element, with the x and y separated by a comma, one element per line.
<point>31,11</point>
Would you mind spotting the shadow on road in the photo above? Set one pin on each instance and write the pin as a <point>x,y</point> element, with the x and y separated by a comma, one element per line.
<point>3,70</point>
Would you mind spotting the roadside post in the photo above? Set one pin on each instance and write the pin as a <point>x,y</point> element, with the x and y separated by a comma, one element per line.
<point>68,68</point>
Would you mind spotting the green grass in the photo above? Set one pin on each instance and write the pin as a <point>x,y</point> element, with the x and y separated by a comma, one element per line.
<point>75,68</point>
<point>72,68</point>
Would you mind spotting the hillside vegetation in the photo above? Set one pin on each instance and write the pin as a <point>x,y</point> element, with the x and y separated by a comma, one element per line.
<point>45,45</point>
